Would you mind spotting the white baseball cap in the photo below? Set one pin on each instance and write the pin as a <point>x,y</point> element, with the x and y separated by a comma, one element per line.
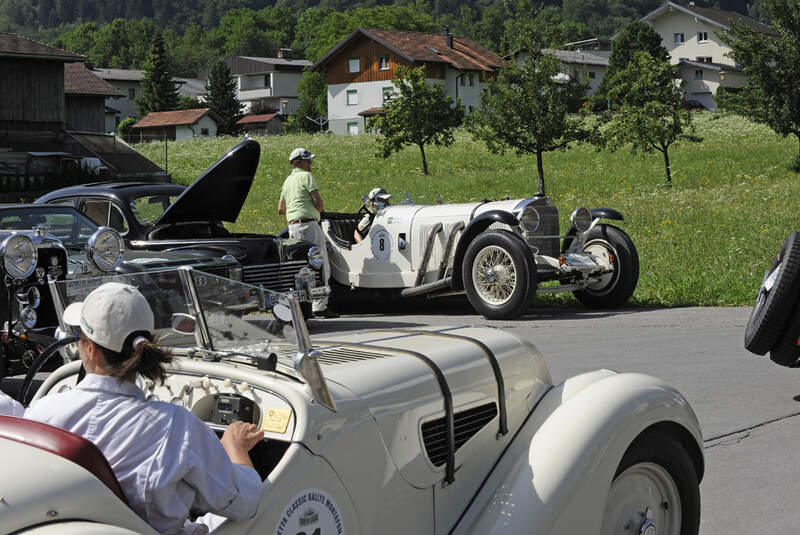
<point>380,194</point>
<point>110,313</point>
<point>301,153</point>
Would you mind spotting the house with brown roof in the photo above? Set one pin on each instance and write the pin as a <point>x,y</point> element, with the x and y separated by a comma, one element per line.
<point>361,67</point>
<point>693,37</point>
<point>262,124</point>
<point>177,125</point>
<point>85,95</point>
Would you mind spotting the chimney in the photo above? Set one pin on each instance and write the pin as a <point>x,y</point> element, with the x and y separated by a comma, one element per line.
<point>285,53</point>
<point>448,37</point>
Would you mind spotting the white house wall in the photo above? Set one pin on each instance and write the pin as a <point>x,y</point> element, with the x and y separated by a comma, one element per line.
<point>196,130</point>
<point>668,24</point>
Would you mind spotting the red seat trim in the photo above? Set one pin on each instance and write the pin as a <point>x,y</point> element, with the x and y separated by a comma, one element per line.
<point>68,445</point>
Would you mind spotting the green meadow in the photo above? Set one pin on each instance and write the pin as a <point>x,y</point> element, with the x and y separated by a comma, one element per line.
<point>706,241</point>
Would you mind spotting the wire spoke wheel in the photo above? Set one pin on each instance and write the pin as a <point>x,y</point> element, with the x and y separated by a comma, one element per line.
<point>643,500</point>
<point>494,275</point>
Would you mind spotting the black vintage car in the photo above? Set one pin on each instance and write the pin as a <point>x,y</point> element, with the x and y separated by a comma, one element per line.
<point>170,217</point>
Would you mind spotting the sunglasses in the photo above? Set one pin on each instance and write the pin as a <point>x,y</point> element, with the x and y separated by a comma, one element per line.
<point>75,332</point>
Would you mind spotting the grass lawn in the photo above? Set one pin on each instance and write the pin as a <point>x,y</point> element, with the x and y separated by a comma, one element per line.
<point>706,241</point>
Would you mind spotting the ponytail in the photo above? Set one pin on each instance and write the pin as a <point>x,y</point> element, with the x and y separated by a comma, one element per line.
<point>140,356</point>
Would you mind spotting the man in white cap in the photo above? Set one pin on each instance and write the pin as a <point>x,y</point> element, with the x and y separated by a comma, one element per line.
<point>301,202</point>
<point>378,200</point>
<point>166,459</point>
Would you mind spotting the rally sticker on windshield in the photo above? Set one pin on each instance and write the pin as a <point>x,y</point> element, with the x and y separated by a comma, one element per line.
<point>311,512</point>
<point>381,244</point>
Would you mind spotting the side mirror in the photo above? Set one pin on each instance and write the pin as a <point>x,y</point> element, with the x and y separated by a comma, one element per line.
<point>183,323</point>
<point>364,199</point>
<point>282,312</point>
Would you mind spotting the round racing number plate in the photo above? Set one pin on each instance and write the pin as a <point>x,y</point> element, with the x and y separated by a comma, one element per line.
<point>311,511</point>
<point>381,244</point>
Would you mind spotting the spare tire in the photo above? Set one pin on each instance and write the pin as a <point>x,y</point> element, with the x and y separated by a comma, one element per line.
<point>776,299</point>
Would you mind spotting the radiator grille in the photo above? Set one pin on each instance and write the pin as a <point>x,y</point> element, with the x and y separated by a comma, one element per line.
<point>467,424</point>
<point>278,277</point>
<point>548,226</point>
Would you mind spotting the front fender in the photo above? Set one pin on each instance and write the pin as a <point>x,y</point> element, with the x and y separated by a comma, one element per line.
<point>473,228</point>
<point>597,213</point>
<point>555,476</point>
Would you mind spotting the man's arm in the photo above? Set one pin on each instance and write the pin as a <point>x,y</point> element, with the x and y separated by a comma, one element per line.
<point>316,198</point>
<point>282,206</point>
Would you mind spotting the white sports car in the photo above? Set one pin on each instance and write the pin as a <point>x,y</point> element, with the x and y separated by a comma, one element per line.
<point>438,430</point>
<point>501,253</point>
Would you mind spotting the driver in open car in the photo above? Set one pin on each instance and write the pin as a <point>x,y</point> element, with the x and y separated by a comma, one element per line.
<point>166,459</point>
<point>378,199</point>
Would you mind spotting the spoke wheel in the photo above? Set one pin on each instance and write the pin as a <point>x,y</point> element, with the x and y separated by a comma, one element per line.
<point>643,500</point>
<point>499,275</point>
<point>494,275</point>
<point>612,248</point>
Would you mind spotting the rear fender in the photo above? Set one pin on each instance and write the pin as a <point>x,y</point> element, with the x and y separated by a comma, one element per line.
<point>555,476</point>
<point>473,228</point>
<point>597,213</point>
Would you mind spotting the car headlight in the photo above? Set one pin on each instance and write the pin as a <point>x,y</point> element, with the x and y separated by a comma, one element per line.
<point>19,256</point>
<point>529,219</point>
<point>31,297</point>
<point>28,317</point>
<point>105,248</point>
<point>582,219</point>
<point>315,258</point>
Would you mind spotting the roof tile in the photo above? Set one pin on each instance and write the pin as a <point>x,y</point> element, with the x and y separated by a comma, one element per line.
<point>78,80</point>
<point>171,118</point>
<point>17,45</point>
<point>263,118</point>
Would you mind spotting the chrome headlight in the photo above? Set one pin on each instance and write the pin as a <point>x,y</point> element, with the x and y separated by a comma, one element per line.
<point>19,256</point>
<point>529,219</point>
<point>28,317</point>
<point>582,219</point>
<point>31,297</point>
<point>315,258</point>
<point>105,248</point>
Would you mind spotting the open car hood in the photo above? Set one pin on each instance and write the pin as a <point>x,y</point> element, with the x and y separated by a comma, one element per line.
<point>219,193</point>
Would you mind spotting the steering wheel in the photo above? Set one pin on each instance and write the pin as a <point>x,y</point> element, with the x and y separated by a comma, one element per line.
<point>37,364</point>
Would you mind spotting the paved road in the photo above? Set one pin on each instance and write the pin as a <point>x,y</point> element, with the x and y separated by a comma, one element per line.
<point>749,408</point>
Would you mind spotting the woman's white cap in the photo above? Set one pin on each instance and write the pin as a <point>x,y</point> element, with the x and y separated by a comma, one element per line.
<point>110,313</point>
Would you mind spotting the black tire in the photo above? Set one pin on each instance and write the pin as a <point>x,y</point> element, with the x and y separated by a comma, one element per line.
<point>786,350</point>
<point>661,454</point>
<point>617,287</point>
<point>517,269</point>
<point>776,299</point>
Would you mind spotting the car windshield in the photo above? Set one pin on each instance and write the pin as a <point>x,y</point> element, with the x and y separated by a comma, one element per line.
<point>148,208</point>
<point>221,314</point>
<point>65,223</point>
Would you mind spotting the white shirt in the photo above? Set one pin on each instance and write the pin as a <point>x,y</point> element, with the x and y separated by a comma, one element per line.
<point>165,458</point>
<point>9,406</point>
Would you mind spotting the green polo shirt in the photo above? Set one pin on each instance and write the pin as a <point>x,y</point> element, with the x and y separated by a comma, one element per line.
<point>296,193</point>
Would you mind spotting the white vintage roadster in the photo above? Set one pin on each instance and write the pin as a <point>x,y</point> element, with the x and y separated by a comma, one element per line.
<point>501,253</point>
<point>437,430</point>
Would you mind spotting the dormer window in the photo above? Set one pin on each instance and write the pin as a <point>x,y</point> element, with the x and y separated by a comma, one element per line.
<point>383,63</point>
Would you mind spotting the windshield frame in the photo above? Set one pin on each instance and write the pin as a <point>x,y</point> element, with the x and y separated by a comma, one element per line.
<point>79,220</point>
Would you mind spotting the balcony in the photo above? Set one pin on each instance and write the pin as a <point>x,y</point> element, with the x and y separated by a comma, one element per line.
<point>255,94</point>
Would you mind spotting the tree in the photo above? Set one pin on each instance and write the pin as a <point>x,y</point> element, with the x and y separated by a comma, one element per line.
<point>772,62</point>
<point>419,113</point>
<point>653,115</point>
<point>221,89</point>
<point>633,38</point>
<point>125,127</point>
<point>158,90</point>
<point>312,93</point>
<point>526,109</point>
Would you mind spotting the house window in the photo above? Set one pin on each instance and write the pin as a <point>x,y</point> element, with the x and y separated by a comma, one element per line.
<point>462,79</point>
<point>387,94</point>
<point>591,75</point>
<point>352,97</point>
<point>698,74</point>
<point>268,80</point>
<point>352,129</point>
<point>383,63</point>
<point>354,65</point>
<point>204,131</point>
<point>471,79</point>
<point>704,59</point>
<point>131,93</point>
<point>702,37</point>
<point>678,38</point>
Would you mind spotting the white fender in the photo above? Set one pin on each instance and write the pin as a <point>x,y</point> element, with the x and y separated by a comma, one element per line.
<point>575,439</point>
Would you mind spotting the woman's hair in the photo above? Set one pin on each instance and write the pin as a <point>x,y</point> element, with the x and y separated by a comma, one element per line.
<point>145,359</point>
